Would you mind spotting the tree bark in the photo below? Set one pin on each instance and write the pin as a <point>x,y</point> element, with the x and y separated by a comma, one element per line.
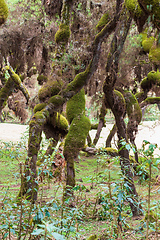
<point>116,103</point>
<point>111,135</point>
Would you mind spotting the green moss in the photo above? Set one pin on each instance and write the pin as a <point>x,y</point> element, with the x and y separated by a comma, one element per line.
<point>3,11</point>
<point>5,92</point>
<point>41,79</point>
<point>57,100</point>
<point>39,107</point>
<point>154,76</point>
<point>154,55</point>
<point>151,79</point>
<point>50,89</point>
<point>132,107</point>
<point>76,136</point>
<point>74,142</point>
<point>78,82</point>
<point>93,237</point>
<point>39,162</point>
<point>59,121</point>
<point>153,217</point>
<point>34,136</point>
<point>103,21</point>
<point>120,99</point>
<point>148,43</point>
<point>76,105</point>
<point>22,76</point>
<point>13,75</point>
<point>45,113</point>
<point>143,35</point>
<point>152,100</point>
<point>16,79</point>
<point>110,151</point>
<point>63,34</point>
<point>39,117</point>
<point>134,8</point>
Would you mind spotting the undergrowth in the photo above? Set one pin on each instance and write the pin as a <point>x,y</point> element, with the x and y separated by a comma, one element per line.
<point>99,207</point>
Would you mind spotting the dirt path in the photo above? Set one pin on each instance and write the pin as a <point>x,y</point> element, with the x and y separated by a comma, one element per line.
<point>12,132</point>
<point>149,130</point>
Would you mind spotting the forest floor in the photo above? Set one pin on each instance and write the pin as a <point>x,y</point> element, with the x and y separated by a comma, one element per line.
<point>92,173</point>
<point>148,130</point>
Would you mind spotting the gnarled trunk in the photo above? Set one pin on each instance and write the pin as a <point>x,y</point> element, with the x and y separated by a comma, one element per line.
<point>116,102</point>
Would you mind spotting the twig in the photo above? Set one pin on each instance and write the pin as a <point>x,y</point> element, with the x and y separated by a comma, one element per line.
<point>21,212</point>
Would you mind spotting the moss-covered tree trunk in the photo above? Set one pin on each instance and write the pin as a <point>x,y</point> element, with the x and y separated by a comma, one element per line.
<point>116,102</point>
<point>40,118</point>
<point>75,140</point>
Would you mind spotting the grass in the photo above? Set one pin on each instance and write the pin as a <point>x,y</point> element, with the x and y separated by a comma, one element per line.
<point>152,113</point>
<point>94,175</point>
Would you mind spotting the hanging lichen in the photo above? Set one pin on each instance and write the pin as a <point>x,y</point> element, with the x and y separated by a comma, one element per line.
<point>63,33</point>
